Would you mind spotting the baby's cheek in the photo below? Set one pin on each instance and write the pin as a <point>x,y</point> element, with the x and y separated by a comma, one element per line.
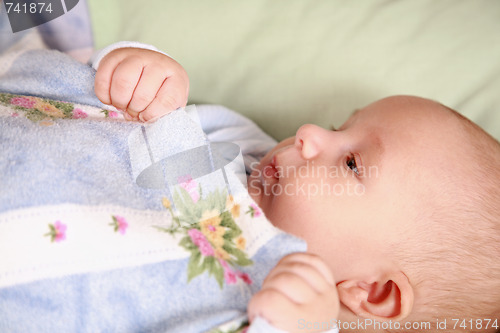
<point>289,215</point>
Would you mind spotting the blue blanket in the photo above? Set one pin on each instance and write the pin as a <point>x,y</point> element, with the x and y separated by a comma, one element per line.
<point>107,225</point>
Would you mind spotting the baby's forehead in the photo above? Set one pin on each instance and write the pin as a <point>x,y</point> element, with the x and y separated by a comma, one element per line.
<point>407,119</point>
<point>420,132</point>
<point>405,108</point>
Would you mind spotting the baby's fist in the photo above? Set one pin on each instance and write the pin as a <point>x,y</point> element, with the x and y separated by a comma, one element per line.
<point>299,290</point>
<point>145,84</point>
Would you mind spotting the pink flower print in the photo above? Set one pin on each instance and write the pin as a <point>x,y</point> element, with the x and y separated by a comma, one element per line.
<point>57,232</point>
<point>191,186</point>
<point>14,114</point>
<point>79,114</point>
<point>223,263</point>
<point>112,114</point>
<point>60,231</point>
<point>229,276</point>
<point>254,210</point>
<point>24,102</point>
<point>201,242</point>
<point>244,277</point>
<point>120,224</point>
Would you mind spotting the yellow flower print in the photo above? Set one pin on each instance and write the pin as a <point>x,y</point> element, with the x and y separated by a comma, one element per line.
<point>235,211</point>
<point>210,227</point>
<point>232,206</point>
<point>166,203</point>
<point>46,122</point>
<point>48,109</point>
<point>229,201</point>
<point>241,242</point>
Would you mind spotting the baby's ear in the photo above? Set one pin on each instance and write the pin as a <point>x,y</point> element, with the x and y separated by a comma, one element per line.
<point>387,298</point>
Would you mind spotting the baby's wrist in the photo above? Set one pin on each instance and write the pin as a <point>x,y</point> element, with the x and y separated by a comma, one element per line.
<point>95,60</point>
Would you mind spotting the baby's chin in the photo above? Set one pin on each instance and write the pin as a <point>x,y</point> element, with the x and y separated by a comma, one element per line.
<point>257,179</point>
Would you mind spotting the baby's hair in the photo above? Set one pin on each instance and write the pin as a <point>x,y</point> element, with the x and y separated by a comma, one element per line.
<point>457,266</point>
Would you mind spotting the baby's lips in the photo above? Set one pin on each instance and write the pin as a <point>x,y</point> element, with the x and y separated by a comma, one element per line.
<point>270,170</point>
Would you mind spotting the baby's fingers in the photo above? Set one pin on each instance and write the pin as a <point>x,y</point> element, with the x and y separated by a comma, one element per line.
<point>294,287</point>
<point>145,92</point>
<point>172,95</point>
<point>104,75</point>
<point>275,307</point>
<point>102,82</point>
<point>124,80</point>
<point>295,261</point>
<point>309,274</point>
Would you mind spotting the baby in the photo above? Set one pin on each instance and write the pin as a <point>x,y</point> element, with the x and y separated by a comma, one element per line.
<point>419,241</point>
<point>400,208</point>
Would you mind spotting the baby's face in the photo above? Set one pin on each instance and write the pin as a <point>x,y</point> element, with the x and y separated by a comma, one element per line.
<point>352,191</point>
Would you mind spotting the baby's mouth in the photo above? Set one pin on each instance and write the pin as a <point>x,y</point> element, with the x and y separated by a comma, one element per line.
<point>270,172</point>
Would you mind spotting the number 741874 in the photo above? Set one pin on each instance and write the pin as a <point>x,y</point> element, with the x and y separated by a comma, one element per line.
<point>32,8</point>
<point>475,324</point>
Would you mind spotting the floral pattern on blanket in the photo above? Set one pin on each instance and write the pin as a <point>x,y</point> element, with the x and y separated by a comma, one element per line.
<point>57,232</point>
<point>207,229</point>
<point>119,224</point>
<point>45,111</point>
<point>210,232</point>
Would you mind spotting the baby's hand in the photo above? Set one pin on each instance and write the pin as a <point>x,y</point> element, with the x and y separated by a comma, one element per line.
<point>297,293</point>
<point>143,83</point>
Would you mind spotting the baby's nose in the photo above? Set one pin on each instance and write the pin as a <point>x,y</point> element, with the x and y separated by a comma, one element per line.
<point>310,140</point>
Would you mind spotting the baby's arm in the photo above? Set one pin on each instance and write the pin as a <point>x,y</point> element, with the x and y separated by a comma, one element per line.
<point>300,290</point>
<point>143,83</point>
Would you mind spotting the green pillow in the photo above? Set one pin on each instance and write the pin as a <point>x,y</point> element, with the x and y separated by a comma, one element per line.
<point>284,63</point>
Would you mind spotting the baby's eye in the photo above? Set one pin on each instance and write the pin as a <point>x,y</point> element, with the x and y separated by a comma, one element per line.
<point>351,164</point>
